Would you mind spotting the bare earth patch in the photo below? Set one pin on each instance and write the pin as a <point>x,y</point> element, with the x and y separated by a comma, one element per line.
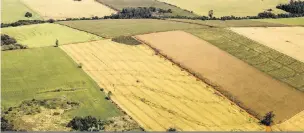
<point>287,40</point>
<point>46,120</point>
<point>252,89</point>
<point>61,9</point>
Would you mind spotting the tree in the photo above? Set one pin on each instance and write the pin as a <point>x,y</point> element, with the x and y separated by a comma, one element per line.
<point>171,129</point>
<point>56,43</point>
<point>5,125</point>
<point>83,124</point>
<point>268,120</point>
<point>210,13</point>
<point>28,14</point>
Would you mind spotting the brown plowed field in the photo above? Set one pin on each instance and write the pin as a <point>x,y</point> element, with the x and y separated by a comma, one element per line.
<point>155,92</point>
<point>252,89</point>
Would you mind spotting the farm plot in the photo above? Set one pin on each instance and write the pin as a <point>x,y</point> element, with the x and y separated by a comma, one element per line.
<point>287,21</point>
<point>126,27</point>
<point>38,74</point>
<point>41,35</point>
<point>120,4</point>
<point>228,7</point>
<point>236,7</point>
<point>14,10</point>
<point>155,92</point>
<point>296,123</point>
<point>61,9</point>
<point>265,59</point>
<point>250,88</point>
<point>287,40</point>
<point>229,23</point>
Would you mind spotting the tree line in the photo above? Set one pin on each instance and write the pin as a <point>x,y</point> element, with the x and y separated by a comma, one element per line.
<point>10,43</point>
<point>294,7</point>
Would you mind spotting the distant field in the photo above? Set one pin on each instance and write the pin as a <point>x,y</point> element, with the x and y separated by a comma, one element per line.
<point>61,9</point>
<point>41,35</point>
<point>228,7</point>
<point>25,73</point>
<point>252,89</point>
<point>14,10</point>
<point>155,92</point>
<point>274,63</point>
<point>287,40</point>
<point>118,27</point>
<point>120,4</point>
<point>288,21</point>
<point>229,23</point>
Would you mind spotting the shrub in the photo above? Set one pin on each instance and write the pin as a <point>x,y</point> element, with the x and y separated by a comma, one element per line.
<point>80,65</point>
<point>6,125</point>
<point>83,124</point>
<point>267,119</point>
<point>51,20</point>
<point>171,129</point>
<point>28,14</point>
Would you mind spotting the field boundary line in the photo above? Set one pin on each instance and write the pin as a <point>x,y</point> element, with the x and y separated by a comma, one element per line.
<point>107,5</point>
<point>215,87</point>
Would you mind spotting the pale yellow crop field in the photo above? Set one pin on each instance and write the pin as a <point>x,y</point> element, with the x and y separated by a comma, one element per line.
<point>61,9</point>
<point>287,40</point>
<point>155,92</point>
<point>228,7</point>
<point>296,123</point>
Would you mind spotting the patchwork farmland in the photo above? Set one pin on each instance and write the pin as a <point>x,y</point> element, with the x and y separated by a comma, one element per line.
<point>152,65</point>
<point>58,9</point>
<point>157,98</point>
<point>238,81</point>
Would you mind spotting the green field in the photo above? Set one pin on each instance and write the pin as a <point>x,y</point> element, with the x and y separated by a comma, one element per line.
<point>273,63</point>
<point>26,74</point>
<point>120,4</point>
<point>14,10</point>
<point>288,21</point>
<point>229,23</point>
<point>41,35</point>
<point>118,27</point>
<point>228,7</point>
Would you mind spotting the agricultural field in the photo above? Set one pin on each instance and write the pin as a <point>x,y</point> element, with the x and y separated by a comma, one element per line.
<point>37,74</point>
<point>287,21</point>
<point>120,4</point>
<point>41,35</point>
<point>295,123</point>
<point>126,27</point>
<point>245,85</point>
<point>228,7</point>
<point>62,9</point>
<point>14,10</point>
<point>265,59</point>
<point>229,23</point>
<point>157,93</point>
<point>287,40</point>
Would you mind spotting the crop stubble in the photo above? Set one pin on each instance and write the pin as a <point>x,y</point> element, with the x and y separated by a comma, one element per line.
<point>254,90</point>
<point>155,92</point>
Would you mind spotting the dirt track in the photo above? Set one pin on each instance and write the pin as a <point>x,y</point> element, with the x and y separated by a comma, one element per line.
<point>256,91</point>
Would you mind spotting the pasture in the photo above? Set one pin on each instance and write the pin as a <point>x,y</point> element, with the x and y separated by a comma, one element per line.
<point>229,23</point>
<point>41,35</point>
<point>287,40</point>
<point>120,4</point>
<point>287,21</point>
<point>251,89</point>
<point>155,92</point>
<point>61,9</point>
<point>228,7</point>
<point>265,59</point>
<point>126,27</point>
<point>14,10</point>
<point>37,73</point>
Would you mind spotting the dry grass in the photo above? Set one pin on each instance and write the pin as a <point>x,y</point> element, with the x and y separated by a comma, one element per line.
<point>61,9</point>
<point>252,89</point>
<point>155,92</point>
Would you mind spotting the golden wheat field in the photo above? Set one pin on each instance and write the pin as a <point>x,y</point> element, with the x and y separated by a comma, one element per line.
<point>155,92</point>
<point>296,123</point>
<point>61,9</point>
<point>287,40</point>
